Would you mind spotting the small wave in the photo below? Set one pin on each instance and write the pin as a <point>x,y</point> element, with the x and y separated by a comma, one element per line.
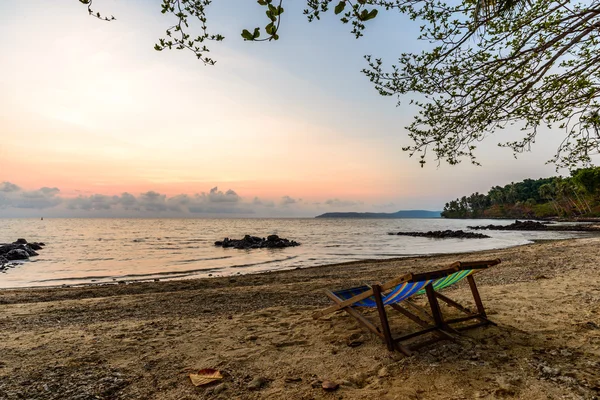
<point>167,273</point>
<point>263,262</point>
<point>202,259</point>
<point>115,277</point>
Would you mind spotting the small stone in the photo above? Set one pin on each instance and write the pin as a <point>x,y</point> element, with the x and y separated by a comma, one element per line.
<point>566,353</point>
<point>359,379</point>
<point>330,386</point>
<point>257,383</point>
<point>220,388</point>
<point>383,372</point>
<point>292,380</point>
<point>316,383</point>
<point>251,338</point>
<point>504,392</point>
<point>549,371</point>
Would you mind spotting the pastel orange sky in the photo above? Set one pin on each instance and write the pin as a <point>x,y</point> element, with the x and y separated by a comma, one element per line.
<point>89,108</point>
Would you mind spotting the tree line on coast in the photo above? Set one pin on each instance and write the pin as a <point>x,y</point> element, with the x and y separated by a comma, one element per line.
<point>575,196</point>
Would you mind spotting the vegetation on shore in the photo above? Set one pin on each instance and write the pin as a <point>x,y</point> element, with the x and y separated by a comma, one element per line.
<point>555,197</point>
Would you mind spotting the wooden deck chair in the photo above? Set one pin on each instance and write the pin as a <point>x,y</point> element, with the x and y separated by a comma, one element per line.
<point>400,290</point>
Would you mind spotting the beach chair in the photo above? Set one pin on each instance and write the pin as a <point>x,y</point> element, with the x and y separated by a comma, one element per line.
<point>401,290</point>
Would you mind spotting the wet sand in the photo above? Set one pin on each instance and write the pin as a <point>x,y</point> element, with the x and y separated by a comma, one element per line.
<point>141,340</point>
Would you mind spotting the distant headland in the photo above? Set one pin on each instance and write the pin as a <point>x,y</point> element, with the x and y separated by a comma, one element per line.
<point>398,214</point>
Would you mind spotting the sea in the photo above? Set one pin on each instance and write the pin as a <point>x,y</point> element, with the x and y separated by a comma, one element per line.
<point>101,251</point>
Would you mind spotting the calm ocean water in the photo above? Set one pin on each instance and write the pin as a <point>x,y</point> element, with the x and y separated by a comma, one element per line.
<point>80,251</point>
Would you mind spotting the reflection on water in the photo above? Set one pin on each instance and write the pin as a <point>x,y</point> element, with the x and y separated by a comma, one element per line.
<point>104,250</point>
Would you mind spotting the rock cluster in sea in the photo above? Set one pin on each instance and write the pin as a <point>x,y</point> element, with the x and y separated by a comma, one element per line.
<point>254,242</point>
<point>19,250</point>
<point>517,226</point>
<point>538,226</point>
<point>444,234</point>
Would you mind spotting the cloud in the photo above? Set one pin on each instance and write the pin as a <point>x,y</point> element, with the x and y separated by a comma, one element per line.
<point>385,205</point>
<point>287,200</point>
<point>152,201</point>
<point>216,196</point>
<point>342,203</point>
<point>18,202</point>
<point>265,203</point>
<point>93,202</point>
<point>213,202</point>
<point>12,196</point>
<point>127,200</point>
<point>9,187</point>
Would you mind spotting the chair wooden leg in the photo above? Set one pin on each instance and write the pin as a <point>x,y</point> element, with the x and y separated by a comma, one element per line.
<point>385,326</point>
<point>358,316</point>
<point>476,296</point>
<point>435,306</point>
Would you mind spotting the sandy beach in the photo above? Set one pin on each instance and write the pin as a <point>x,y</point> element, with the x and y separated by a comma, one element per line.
<point>141,340</point>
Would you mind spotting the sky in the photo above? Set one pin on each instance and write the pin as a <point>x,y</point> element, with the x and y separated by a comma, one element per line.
<point>95,123</point>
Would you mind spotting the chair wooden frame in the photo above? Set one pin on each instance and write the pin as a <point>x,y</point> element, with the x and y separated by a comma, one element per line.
<point>431,321</point>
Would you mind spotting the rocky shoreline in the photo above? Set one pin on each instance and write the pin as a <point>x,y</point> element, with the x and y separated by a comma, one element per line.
<point>17,251</point>
<point>460,234</point>
<point>254,242</point>
<point>537,226</point>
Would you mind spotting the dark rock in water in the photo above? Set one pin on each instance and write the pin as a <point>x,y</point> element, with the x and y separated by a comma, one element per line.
<point>19,250</point>
<point>3,263</point>
<point>460,234</point>
<point>8,248</point>
<point>538,226</point>
<point>254,242</point>
<point>17,254</point>
<point>35,246</point>
<point>517,226</point>
<point>4,249</point>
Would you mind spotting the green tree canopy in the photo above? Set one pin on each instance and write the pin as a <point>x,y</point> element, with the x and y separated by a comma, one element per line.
<point>491,64</point>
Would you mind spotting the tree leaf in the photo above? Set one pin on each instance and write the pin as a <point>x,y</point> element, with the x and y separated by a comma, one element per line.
<point>370,15</point>
<point>340,7</point>
<point>247,35</point>
<point>256,33</point>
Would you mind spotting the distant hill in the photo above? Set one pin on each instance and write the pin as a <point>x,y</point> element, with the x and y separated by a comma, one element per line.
<point>399,214</point>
